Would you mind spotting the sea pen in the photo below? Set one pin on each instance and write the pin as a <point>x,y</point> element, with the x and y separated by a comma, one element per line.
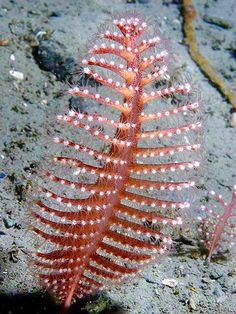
<point>100,211</point>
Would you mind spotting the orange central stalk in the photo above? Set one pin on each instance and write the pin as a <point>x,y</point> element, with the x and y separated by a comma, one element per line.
<point>132,117</point>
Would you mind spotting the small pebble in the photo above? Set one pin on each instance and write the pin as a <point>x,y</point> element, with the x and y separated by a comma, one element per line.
<point>170,282</point>
<point>8,223</point>
<point>4,41</point>
<point>12,57</point>
<point>149,280</point>
<point>176,21</point>
<point>215,275</point>
<point>2,175</point>
<point>192,304</point>
<point>44,102</point>
<point>56,14</point>
<point>156,292</point>
<point>206,280</point>
<point>17,75</point>
<point>232,121</point>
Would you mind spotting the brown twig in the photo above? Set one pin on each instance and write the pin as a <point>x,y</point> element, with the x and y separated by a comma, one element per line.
<point>189,15</point>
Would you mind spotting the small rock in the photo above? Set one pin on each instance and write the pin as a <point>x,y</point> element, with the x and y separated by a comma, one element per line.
<point>4,41</point>
<point>17,75</point>
<point>8,223</point>
<point>232,120</point>
<point>44,102</point>
<point>3,175</point>
<point>156,292</point>
<point>170,282</point>
<point>55,14</point>
<point>12,57</point>
<point>215,275</point>
<point>206,280</point>
<point>176,21</point>
<point>192,304</point>
<point>149,280</point>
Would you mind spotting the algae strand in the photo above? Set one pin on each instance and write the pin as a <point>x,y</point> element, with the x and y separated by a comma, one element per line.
<point>189,15</point>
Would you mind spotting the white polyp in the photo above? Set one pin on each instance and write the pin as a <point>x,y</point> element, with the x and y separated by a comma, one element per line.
<point>87,70</point>
<point>187,87</point>
<point>66,142</point>
<point>56,140</point>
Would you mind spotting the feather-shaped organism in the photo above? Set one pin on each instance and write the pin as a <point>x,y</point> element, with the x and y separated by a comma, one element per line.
<point>111,197</point>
